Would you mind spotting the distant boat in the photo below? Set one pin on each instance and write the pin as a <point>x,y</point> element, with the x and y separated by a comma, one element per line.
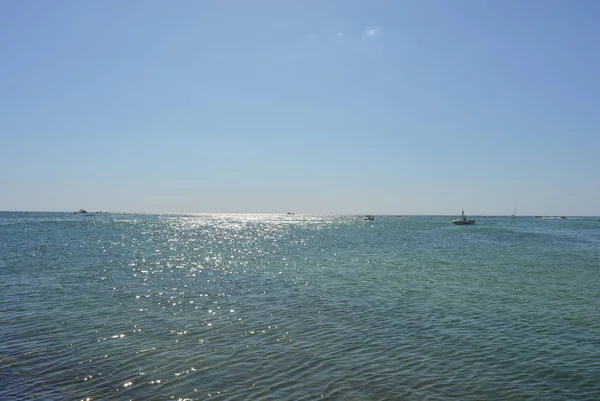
<point>463,221</point>
<point>514,213</point>
<point>370,217</point>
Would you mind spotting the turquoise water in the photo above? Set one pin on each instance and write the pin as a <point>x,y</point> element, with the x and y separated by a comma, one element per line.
<point>278,307</point>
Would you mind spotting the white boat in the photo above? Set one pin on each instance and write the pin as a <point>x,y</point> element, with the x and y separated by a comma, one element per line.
<point>463,221</point>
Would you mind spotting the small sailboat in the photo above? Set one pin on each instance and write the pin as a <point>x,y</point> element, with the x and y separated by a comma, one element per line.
<point>463,221</point>
<point>514,215</point>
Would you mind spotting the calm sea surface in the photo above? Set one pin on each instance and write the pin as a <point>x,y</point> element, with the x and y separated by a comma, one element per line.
<point>278,307</point>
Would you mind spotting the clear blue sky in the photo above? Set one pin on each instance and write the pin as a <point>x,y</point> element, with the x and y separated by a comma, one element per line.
<point>341,106</point>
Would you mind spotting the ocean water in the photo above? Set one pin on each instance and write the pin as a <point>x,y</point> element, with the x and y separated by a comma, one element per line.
<point>298,307</point>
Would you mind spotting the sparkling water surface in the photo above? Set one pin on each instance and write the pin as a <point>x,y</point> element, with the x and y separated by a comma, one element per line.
<point>298,307</point>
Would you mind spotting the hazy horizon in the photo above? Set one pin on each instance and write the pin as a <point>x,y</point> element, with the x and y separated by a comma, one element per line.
<point>289,213</point>
<point>338,107</point>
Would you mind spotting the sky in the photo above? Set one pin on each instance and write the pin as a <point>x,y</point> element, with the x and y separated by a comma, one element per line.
<point>327,107</point>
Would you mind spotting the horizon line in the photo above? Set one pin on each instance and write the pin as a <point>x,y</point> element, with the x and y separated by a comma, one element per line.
<point>296,213</point>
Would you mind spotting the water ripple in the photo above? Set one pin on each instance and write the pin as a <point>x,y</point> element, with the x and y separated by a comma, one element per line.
<point>297,307</point>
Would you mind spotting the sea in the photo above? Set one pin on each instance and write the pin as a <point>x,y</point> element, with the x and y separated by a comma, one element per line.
<point>298,307</point>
